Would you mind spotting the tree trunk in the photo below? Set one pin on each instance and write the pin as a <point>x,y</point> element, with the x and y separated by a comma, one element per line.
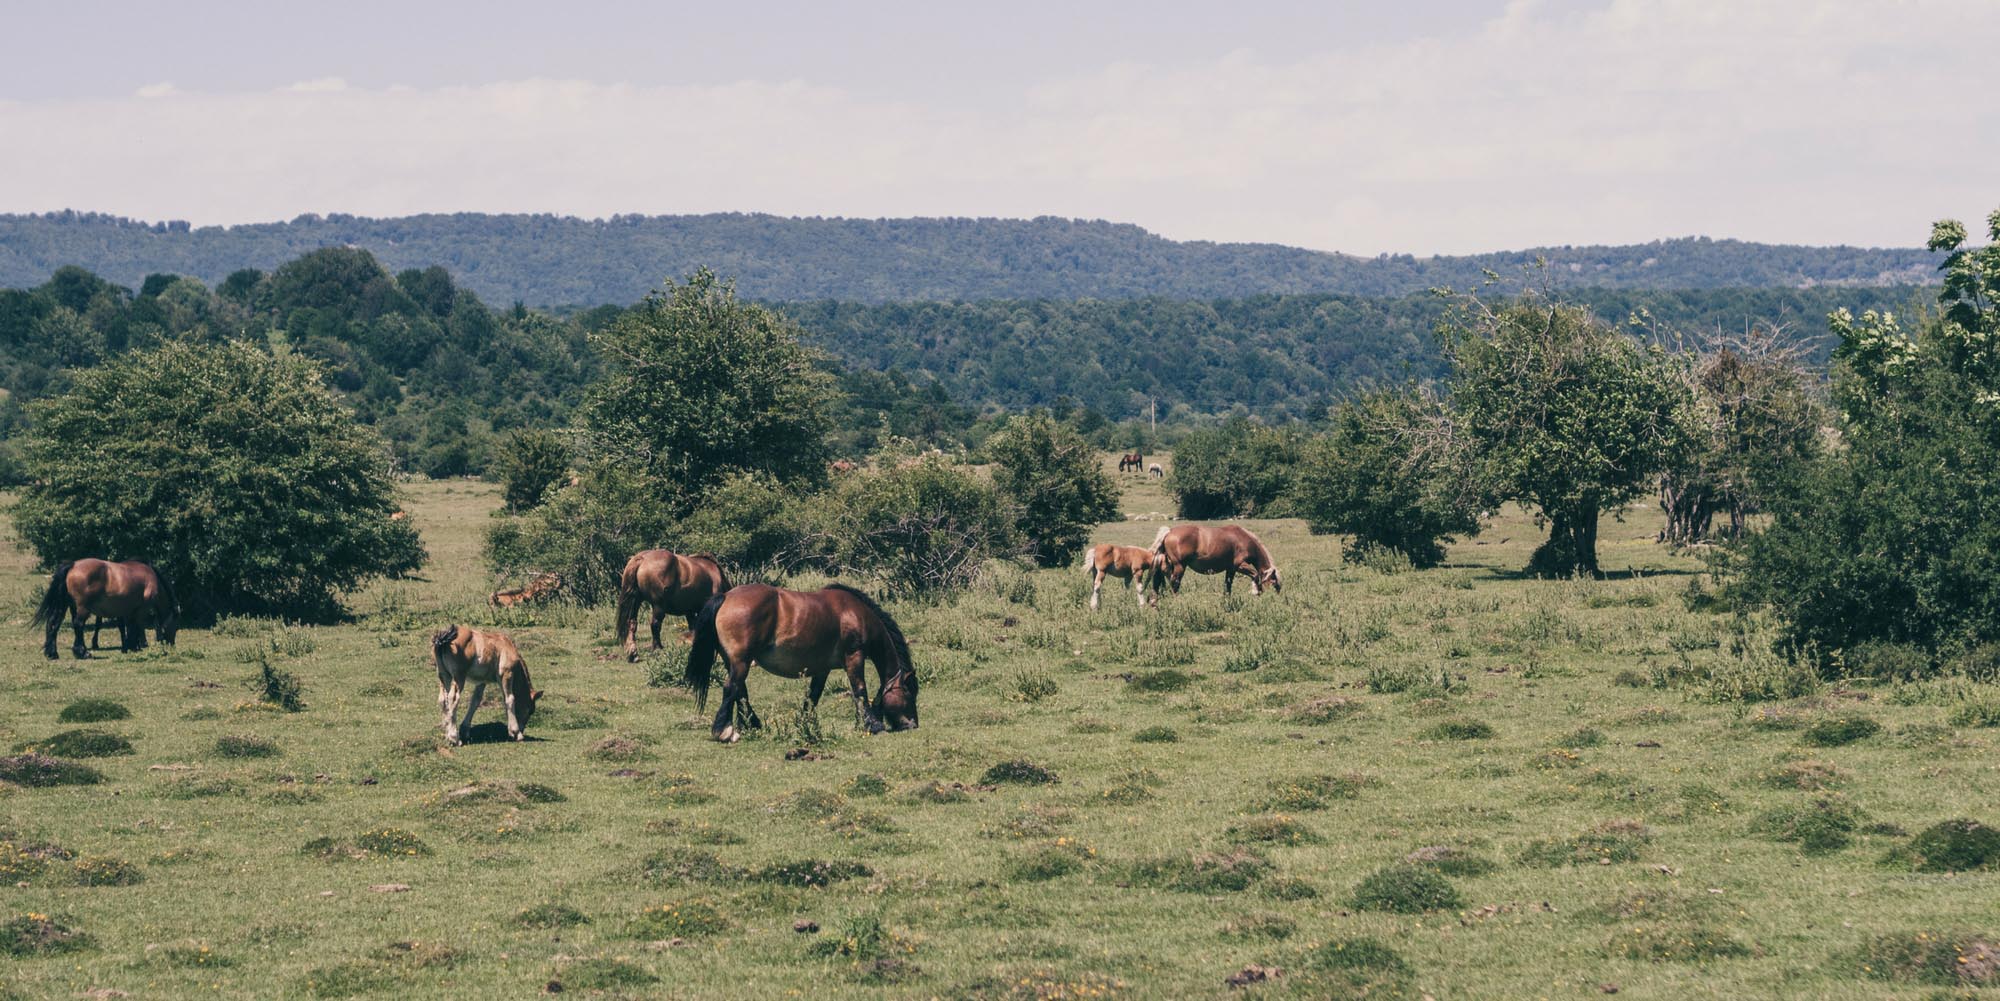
<point>1572,547</point>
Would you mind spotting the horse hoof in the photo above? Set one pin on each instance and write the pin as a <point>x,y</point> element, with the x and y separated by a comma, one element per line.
<point>81,654</point>
<point>518,736</point>
<point>728,735</point>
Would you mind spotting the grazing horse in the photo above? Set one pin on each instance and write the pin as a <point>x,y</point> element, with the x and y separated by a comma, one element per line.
<point>541,586</point>
<point>672,584</point>
<point>1131,462</point>
<point>131,591</point>
<point>1126,562</point>
<point>803,633</point>
<point>1224,549</point>
<point>482,657</point>
<point>1156,472</point>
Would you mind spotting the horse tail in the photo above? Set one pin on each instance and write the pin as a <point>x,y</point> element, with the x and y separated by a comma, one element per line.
<point>628,598</point>
<point>904,663</point>
<point>701,655</point>
<point>1090,561</point>
<point>1160,540</point>
<point>56,603</point>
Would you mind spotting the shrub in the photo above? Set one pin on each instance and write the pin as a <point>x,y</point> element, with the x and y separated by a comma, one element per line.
<point>584,533</point>
<point>1391,474</point>
<point>1952,846</point>
<point>1404,889</point>
<point>1057,485</point>
<point>40,770</point>
<point>1241,469</point>
<point>279,687</point>
<point>81,744</point>
<point>1457,729</point>
<point>750,520</point>
<point>923,528</point>
<point>1833,731</point>
<point>93,711</point>
<point>529,463</point>
<point>225,445</point>
<point>1019,772</point>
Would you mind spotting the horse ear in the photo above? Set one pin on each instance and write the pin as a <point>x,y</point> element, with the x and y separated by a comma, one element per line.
<point>536,695</point>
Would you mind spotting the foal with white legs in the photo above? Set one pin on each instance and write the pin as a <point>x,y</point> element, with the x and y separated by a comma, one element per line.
<point>1127,562</point>
<point>482,657</point>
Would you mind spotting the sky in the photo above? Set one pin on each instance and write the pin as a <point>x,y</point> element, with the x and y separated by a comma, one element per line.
<point>1448,126</point>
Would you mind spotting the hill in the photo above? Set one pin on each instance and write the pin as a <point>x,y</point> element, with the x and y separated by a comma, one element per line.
<point>546,260</point>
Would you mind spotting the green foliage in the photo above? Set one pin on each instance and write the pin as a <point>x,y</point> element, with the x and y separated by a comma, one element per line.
<point>1952,846</point>
<point>235,473</point>
<point>1566,414</point>
<point>279,687</point>
<point>1404,889</point>
<point>750,521</point>
<point>1392,473</point>
<point>80,744</point>
<point>530,462</point>
<point>93,711</point>
<point>1056,483</point>
<point>1240,469</point>
<point>584,533</point>
<point>1895,538</point>
<point>922,527</point>
<point>1756,416</point>
<point>26,936</point>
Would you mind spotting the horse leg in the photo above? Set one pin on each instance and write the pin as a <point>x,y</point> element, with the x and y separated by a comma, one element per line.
<point>76,622</point>
<point>448,708</point>
<point>478,696</point>
<point>724,727</point>
<point>813,690</point>
<point>55,626</point>
<point>1096,585</point>
<point>1256,585</point>
<point>1228,579</point>
<point>857,686</point>
<point>514,728</point>
<point>97,628</point>
<point>659,615</point>
<point>1174,578</point>
<point>1139,588</point>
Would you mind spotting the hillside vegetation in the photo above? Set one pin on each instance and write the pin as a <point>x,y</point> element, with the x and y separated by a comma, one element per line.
<point>551,260</point>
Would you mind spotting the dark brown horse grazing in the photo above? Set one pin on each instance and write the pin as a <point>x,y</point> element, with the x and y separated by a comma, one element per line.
<point>1132,462</point>
<point>673,584</point>
<point>803,633</point>
<point>131,591</point>
<point>1224,549</point>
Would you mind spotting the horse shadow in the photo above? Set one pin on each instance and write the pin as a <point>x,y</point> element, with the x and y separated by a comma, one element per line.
<point>494,732</point>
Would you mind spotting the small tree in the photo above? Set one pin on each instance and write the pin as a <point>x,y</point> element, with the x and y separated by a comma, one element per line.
<point>531,461</point>
<point>237,474</point>
<point>1563,413</point>
<point>583,533</point>
<point>1392,473</point>
<point>1056,482</point>
<point>1239,469</point>
<point>1756,416</point>
<point>923,526</point>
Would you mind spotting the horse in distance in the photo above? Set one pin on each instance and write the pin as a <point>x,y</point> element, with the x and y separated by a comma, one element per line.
<point>482,657</point>
<point>803,634</point>
<point>132,591</point>
<point>1131,462</point>
<point>1129,563</point>
<point>1225,549</point>
<point>673,584</point>
<point>539,588</point>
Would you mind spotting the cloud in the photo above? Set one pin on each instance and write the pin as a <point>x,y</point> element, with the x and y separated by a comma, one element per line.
<point>1549,123</point>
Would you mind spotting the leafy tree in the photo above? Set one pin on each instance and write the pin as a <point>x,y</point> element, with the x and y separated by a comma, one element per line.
<point>1895,537</point>
<point>698,385</point>
<point>1056,482</point>
<point>1240,469</point>
<point>530,462</point>
<point>924,527</point>
<point>1564,413</point>
<point>1757,414</point>
<point>583,533</point>
<point>238,474</point>
<point>1392,473</point>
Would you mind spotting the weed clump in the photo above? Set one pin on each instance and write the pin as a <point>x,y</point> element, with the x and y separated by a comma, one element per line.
<point>862,938</point>
<point>1032,685</point>
<point>677,866</point>
<point>1617,841</point>
<point>1203,872</point>
<point>1946,958</point>
<point>39,771</point>
<point>1290,888</point>
<point>1951,846</point>
<point>1311,792</point>
<point>867,785</point>
<point>1164,680</point>
<point>686,919</point>
<point>106,871</point>
<point>1809,776</point>
<point>1321,712</point>
<point>1980,714</point>
<point>93,711</point>
<point>1404,889</point>
<point>810,872</point>
<point>25,936</point>
<point>80,744</point>
<point>243,746</point>
<point>604,975</point>
<point>1272,829</point>
<point>1156,735</point>
<point>1834,731</point>
<point>1450,861</point>
<point>1041,863</point>
<point>1674,943</point>
<point>382,841</point>
<point>279,687</point>
<point>1019,772</point>
<point>1462,728</point>
<point>544,916</point>
<point>1825,825</point>
<point>1578,739</point>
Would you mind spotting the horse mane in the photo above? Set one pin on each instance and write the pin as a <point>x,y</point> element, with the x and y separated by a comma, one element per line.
<point>908,666</point>
<point>1263,551</point>
<point>444,636</point>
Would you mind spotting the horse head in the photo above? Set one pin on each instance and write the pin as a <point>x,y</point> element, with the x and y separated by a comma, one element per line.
<point>443,637</point>
<point>896,703</point>
<point>1269,578</point>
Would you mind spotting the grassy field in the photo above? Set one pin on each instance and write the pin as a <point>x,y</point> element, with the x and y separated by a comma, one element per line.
<point>1616,793</point>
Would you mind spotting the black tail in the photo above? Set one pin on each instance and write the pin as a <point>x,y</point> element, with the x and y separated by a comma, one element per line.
<point>56,603</point>
<point>701,656</point>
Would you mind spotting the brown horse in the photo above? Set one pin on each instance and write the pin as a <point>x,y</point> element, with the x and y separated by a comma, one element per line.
<point>672,584</point>
<point>482,657</point>
<point>1131,462</point>
<point>131,591</point>
<point>1125,562</point>
<point>803,633</point>
<point>1224,549</point>
<point>541,586</point>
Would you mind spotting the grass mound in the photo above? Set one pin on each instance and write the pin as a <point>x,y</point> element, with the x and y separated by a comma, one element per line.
<point>1834,731</point>
<point>544,916</point>
<point>1260,925</point>
<point>380,842</point>
<point>1461,728</point>
<point>810,872</point>
<point>1951,846</point>
<point>1203,872</point>
<point>1311,792</point>
<point>39,771</point>
<point>1404,889</point>
<point>685,919</point>
<point>1809,776</point>
<point>1019,772</point>
<point>26,936</point>
<point>1156,735</point>
<point>1353,968</point>
<point>1041,863</point>
<point>1450,861</point>
<point>95,870</point>
<point>1616,841</point>
<point>867,785</point>
<point>1825,825</point>
<point>603,975</point>
<point>244,746</point>
<point>1164,680</point>
<point>1321,712</point>
<point>677,866</point>
<point>1674,942</point>
<point>93,711</point>
<point>83,743</point>
<point>1272,829</point>
<point>1944,958</point>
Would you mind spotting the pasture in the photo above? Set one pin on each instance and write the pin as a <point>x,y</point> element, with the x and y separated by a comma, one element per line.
<point>1621,792</point>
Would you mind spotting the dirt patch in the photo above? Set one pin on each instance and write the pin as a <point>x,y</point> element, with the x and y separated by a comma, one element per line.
<point>1253,974</point>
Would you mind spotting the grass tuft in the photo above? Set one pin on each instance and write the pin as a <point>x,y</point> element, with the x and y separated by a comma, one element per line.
<point>93,711</point>
<point>1404,889</point>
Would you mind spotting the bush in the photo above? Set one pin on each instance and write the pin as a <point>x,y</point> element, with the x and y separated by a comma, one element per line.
<point>1392,475</point>
<point>1056,483</point>
<point>1404,889</point>
<point>1241,469</point>
<point>529,463</point>
<point>245,480</point>
<point>749,520</point>
<point>93,711</point>
<point>923,527</point>
<point>278,687</point>
<point>585,533</point>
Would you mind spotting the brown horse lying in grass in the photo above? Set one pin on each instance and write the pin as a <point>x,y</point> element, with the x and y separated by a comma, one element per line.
<point>803,633</point>
<point>131,591</point>
<point>1225,549</point>
<point>1124,562</point>
<point>482,657</point>
<point>542,586</point>
<point>673,584</point>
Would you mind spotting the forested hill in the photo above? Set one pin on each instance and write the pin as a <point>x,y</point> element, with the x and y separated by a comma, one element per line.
<point>546,260</point>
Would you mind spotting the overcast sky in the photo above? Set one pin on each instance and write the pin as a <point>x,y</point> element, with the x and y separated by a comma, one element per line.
<point>1421,127</point>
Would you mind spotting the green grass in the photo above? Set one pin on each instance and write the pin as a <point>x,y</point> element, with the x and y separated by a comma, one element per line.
<point>1152,868</point>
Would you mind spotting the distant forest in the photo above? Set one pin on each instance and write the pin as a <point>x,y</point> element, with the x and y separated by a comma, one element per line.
<point>558,261</point>
<point>444,376</point>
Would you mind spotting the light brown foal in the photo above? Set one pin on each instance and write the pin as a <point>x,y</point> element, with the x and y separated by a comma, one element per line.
<point>1125,562</point>
<point>480,656</point>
